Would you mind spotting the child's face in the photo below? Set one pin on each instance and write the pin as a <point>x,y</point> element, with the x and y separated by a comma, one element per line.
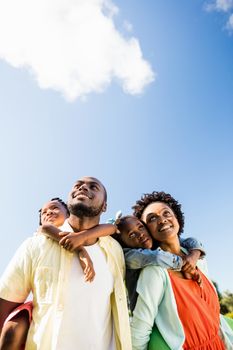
<point>135,235</point>
<point>53,213</point>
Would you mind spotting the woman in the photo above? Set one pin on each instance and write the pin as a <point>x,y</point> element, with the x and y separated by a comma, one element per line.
<point>186,313</point>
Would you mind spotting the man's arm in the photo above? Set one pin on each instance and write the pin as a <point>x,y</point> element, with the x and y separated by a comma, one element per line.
<point>6,307</point>
<point>15,283</point>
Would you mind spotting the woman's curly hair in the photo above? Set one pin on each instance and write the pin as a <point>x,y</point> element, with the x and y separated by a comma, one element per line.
<point>163,197</point>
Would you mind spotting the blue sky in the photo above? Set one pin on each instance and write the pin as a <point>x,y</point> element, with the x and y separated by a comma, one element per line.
<point>160,120</point>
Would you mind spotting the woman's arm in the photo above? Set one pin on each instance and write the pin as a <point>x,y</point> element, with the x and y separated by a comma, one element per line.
<point>151,286</point>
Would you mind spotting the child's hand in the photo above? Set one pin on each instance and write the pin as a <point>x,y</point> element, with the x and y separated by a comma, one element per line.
<point>197,277</point>
<point>71,240</point>
<point>194,275</point>
<point>190,261</point>
<point>50,231</point>
<point>86,264</point>
<point>42,230</point>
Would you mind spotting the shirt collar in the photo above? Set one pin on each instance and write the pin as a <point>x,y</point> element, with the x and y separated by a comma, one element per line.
<point>66,227</point>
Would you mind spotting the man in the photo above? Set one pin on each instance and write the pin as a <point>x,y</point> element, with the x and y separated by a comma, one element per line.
<point>68,313</point>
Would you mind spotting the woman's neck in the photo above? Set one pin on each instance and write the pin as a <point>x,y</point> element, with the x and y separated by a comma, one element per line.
<point>172,246</point>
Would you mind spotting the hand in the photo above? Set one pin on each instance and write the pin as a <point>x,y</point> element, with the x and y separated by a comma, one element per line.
<point>197,277</point>
<point>190,261</point>
<point>50,231</point>
<point>71,240</point>
<point>194,275</point>
<point>42,231</point>
<point>86,264</point>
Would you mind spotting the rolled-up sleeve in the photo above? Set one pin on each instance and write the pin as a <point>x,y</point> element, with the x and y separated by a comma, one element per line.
<point>15,282</point>
<point>192,243</point>
<point>140,258</point>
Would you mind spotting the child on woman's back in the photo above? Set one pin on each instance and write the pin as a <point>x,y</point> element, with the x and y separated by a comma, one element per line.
<point>140,251</point>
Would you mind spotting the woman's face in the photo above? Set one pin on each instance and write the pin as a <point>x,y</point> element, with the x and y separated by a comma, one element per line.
<point>135,235</point>
<point>161,221</point>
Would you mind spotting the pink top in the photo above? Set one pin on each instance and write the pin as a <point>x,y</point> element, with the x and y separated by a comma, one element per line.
<point>24,307</point>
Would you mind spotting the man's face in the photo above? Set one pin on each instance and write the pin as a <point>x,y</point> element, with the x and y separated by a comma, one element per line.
<point>53,213</point>
<point>87,198</point>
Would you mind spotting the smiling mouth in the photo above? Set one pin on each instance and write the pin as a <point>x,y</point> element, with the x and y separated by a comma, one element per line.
<point>52,217</point>
<point>144,240</point>
<point>165,228</point>
<point>82,195</point>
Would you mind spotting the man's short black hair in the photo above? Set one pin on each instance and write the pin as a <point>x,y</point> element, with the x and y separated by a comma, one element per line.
<point>104,188</point>
<point>163,197</point>
<point>55,199</point>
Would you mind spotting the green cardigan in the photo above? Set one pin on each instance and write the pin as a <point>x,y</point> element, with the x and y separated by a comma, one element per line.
<point>156,305</point>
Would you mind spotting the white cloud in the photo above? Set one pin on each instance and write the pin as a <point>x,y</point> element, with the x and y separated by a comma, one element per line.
<point>230,23</point>
<point>225,6</point>
<point>220,5</point>
<point>71,46</point>
<point>128,26</point>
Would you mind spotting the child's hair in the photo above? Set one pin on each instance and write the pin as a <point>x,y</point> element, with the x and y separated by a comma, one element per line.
<point>163,197</point>
<point>56,199</point>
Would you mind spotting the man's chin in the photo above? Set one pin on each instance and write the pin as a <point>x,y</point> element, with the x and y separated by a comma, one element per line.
<point>81,210</point>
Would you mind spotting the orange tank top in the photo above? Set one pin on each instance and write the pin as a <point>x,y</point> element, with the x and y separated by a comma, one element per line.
<point>199,310</point>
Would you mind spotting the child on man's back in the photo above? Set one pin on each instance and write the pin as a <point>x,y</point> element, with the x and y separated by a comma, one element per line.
<point>52,215</point>
<point>15,329</point>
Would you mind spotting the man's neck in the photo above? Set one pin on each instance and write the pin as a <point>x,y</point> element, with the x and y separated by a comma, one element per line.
<point>84,223</point>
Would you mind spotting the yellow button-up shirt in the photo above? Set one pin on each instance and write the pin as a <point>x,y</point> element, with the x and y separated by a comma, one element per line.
<point>41,266</point>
